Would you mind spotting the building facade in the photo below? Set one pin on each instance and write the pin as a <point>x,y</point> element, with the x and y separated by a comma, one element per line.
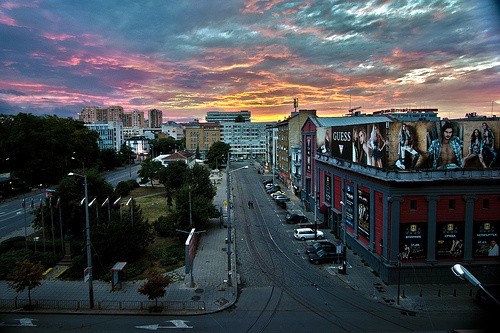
<point>222,116</point>
<point>247,140</point>
<point>110,134</point>
<point>396,195</point>
<point>155,118</point>
<point>201,136</point>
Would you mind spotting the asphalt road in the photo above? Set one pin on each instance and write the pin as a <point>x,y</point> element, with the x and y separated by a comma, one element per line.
<point>13,217</point>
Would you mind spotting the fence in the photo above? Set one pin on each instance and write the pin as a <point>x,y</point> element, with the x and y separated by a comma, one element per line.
<point>76,305</point>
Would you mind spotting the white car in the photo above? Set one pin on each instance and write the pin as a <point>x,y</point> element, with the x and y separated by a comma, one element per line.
<point>307,233</point>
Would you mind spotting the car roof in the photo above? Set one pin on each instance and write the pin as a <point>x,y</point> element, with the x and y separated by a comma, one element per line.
<point>304,229</point>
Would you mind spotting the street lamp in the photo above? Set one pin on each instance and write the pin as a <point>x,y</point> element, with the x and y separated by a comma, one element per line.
<point>228,192</point>
<point>87,236</point>
<point>464,274</point>
<point>344,248</point>
<point>83,164</point>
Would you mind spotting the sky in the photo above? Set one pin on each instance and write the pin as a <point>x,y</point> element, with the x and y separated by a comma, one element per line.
<point>188,57</point>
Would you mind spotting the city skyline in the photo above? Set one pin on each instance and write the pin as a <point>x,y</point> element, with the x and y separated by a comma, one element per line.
<point>190,57</point>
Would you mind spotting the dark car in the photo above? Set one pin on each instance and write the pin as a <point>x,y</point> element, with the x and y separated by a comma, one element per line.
<point>267,181</point>
<point>322,257</point>
<point>296,218</point>
<point>321,245</point>
<point>273,189</point>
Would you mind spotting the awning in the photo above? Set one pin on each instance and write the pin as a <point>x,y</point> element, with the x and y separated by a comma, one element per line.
<point>323,209</point>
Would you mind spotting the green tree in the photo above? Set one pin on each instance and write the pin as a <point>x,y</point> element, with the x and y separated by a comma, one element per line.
<point>217,154</point>
<point>27,275</point>
<point>150,171</point>
<point>155,285</point>
<point>172,177</point>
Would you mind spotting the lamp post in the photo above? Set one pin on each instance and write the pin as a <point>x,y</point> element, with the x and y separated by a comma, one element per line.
<point>464,274</point>
<point>87,236</point>
<point>83,164</point>
<point>228,192</point>
<point>344,247</point>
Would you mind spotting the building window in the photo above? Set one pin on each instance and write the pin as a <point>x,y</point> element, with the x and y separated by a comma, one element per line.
<point>486,203</point>
<point>451,204</point>
<point>413,205</point>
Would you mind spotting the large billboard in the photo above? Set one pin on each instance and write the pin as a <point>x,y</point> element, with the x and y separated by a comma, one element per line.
<point>450,240</point>
<point>364,214</point>
<point>485,239</point>
<point>413,241</point>
<point>440,145</point>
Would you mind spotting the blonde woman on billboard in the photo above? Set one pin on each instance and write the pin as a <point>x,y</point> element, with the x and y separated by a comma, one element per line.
<point>377,144</point>
<point>361,151</point>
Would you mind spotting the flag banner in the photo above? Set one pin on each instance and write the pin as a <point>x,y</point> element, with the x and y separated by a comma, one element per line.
<point>23,204</point>
<point>105,203</point>
<point>92,202</point>
<point>117,201</point>
<point>40,205</point>
<point>50,202</point>
<point>81,202</point>
<point>129,201</point>
<point>58,202</point>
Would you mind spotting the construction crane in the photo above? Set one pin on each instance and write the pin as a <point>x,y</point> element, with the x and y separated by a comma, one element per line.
<point>354,109</point>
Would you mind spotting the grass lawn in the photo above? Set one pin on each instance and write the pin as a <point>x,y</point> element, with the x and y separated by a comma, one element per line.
<point>154,204</point>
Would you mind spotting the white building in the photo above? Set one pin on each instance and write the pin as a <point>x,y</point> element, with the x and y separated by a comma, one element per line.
<point>173,130</point>
<point>247,140</point>
<point>110,134</point>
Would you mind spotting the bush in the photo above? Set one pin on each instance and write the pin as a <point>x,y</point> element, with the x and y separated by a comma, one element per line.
<point>8,261</point>
<point>172,255</point>
<point>165,226</point>
<point>123,188</point>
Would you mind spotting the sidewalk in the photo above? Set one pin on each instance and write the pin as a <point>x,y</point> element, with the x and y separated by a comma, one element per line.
<point>210,291</point>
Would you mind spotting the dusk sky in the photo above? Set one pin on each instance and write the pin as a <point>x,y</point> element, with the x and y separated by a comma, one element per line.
<point>187,57</point>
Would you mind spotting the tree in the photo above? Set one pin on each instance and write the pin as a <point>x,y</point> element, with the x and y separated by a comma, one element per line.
<point>27,275</point>
<point>155,285</point>
<point>150,170</point>
<point>239,119</point>
<point>217,154</point>
<point>172,177</point>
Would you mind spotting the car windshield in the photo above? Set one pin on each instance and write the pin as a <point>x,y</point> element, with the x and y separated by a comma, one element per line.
<point>320,253</point>
<point>317,246</point>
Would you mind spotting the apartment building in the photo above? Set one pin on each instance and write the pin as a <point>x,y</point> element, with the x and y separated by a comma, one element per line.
<point>247,140</point>
<point>201,136</point>
<point>110,134</point>
<point>155,118</point>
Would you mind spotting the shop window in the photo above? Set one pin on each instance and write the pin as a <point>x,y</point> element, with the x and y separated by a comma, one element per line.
<point>486,203</point>
<point>451,204</point>
<point>413,205</point>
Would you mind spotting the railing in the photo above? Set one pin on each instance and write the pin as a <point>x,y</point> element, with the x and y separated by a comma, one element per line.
<point>75,305</point>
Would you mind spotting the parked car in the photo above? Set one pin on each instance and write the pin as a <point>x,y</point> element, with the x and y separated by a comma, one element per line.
<point>282,198</point>
<point>321,245</point>
<point>296,218</point>
<point>307,233</point>
<point>322,256</point>
<point>277,193</point>
<point>267,181</point>
<point>270,185</point>
<point>273,189</point>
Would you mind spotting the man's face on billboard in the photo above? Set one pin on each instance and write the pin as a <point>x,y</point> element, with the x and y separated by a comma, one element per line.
<point>448,133</point>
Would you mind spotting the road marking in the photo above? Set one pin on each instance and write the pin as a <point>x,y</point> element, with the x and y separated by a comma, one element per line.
<point>24,322</point>
<point>177,324</point>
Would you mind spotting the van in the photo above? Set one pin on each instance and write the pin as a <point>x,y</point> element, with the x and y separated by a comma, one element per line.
<point>307,233</point>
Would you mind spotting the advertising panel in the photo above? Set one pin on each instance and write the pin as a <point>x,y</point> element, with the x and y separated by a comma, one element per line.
<point>450,240</point>
<point>349,205</point>
<point>413,241</point>
<point>485,239</point>
<point>308,153</point>
<point>415,145</point>
<point>328,188</point>
<point>364,214</point>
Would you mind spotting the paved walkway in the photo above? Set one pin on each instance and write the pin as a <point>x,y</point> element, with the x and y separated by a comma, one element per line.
<point>208,289</point>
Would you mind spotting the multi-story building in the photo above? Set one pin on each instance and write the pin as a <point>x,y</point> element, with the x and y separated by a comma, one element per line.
<point>134,119</point>
<point>140,146</point>
<point>402,194</point>
<point>247,140</point>
<point>93,114</point>
<point>289,135</point>
<point>173,130</point>
<point>201,136</point>
<point>222,116</point>
<point>110,134</point>
<point>155,118</point>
